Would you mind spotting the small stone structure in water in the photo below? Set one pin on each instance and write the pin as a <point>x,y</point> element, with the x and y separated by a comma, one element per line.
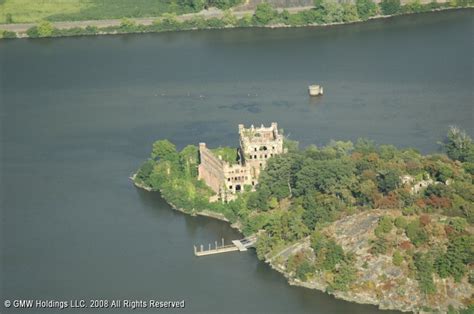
<point>257,145</point>
<point>315,90</point>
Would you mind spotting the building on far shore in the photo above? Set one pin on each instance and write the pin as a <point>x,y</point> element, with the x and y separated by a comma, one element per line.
<point>228,177</point>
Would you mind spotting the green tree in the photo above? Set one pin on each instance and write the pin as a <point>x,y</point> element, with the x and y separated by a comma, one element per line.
<point>259,199</point>
<point>350,14</point>
<point>263,246</point>
<point>388,152</point>
<point>424,274</point>
<point>264,13</point>
<point>365,146</point>
<point>331,11</point>
<point>343,148</point>
<point>388,180</point>
<point>390,7</point>
<point>459,253</point>
<point>188,161</point>
<point>413,6</point>
<point>458,145</point>
<point>366,8</point>
<point>164,149</point>
<point>328,176</point>
<point>145,171</point>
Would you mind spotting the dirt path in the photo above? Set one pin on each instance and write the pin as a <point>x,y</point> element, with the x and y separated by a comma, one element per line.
<point>21,28</point>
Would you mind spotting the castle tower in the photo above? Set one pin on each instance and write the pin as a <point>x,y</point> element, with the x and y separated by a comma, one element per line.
<point>257,145</point>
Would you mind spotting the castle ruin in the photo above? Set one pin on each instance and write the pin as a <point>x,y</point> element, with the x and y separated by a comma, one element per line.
<point>226,179</point>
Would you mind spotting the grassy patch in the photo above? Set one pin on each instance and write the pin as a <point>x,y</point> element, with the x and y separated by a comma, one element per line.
<point>24,11</point>
<point>227,153</point>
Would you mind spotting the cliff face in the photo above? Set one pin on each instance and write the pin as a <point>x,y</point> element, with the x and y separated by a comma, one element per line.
<point>378,280</point>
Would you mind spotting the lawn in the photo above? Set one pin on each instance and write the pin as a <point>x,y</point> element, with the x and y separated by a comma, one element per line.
<point>24,11</point>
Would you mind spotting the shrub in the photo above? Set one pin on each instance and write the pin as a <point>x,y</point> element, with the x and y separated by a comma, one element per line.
<point>343,277</point>
<point>32,32</point>
<point>8,18</point>
<point>45,29</point>
<point>384,226</point>
<point>7,34</point>
<point>416,233</point>
<point>414,6</point>
<point>379,246</point>
<point>400,222</point>
<point>229,18</point>
<point>304,269</point>
<point>397,258</point>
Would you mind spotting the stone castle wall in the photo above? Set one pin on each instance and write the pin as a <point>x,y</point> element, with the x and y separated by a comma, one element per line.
<point>257,145</point>
<point>211,168</point>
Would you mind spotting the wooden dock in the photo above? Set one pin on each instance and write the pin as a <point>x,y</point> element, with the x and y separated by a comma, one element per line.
<point>237,245</point>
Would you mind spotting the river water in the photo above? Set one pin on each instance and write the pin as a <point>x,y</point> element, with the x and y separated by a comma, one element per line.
<point>79,115</point>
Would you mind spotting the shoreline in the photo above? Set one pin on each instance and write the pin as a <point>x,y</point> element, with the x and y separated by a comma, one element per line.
<point>23,34</point>
<point>270,261</point>
<point>194,213</point>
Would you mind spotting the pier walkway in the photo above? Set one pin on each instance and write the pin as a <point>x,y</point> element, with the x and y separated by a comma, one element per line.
<point>237,245</point>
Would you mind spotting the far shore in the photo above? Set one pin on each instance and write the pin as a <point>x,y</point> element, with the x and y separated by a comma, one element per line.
<point>20,30</point>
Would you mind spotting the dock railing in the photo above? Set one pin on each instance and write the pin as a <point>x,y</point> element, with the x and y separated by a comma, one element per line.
<point>237,245</point>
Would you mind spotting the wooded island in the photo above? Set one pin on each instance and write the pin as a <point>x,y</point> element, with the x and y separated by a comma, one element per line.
<point>368,223</point>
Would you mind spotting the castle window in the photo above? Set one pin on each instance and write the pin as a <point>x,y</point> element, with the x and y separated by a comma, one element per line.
<point>230,187</point>
<point>250,157</point>
<point>273,147</point>
<point>228,179</point>
<point>260,165</point>
<point>253,183</point>
<point>255,148</point>
<point>266,156</point>
<point>255,157</point>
